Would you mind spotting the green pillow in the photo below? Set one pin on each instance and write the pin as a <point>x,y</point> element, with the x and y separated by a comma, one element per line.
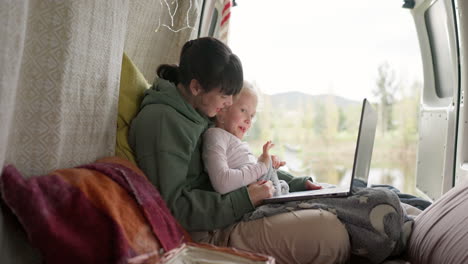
<point>132,86</point>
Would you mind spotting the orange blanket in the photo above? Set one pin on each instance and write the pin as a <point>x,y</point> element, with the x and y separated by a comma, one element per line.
<point>105,212</point>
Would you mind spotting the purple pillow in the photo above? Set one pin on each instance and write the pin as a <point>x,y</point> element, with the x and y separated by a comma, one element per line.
<point>440,233</point>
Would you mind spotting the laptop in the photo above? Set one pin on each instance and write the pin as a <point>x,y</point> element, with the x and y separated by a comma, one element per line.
<point>361,165</point>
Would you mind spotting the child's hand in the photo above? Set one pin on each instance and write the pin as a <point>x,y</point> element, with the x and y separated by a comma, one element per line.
<point>265,157</point>
<point>276,162</point>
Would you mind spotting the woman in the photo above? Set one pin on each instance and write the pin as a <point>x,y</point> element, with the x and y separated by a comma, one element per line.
<point>166,138</point>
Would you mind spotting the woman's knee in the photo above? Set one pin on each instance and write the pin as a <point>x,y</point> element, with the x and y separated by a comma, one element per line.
<point>306,236</point>
<point>318,236</point>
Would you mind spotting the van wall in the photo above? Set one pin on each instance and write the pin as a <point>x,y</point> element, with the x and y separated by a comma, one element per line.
<point>151,40</point>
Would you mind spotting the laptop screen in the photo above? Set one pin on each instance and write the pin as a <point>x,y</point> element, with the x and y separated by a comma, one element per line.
<point>361,165</point>
<point>365,143</point>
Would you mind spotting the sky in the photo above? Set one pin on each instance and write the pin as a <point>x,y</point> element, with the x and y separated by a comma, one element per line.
<point>317,47</point>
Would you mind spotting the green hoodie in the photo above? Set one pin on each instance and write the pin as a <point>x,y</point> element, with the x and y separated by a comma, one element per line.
<point>166,138</point>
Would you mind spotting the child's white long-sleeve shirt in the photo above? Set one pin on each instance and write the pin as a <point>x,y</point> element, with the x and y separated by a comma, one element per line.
<point>229,161</point>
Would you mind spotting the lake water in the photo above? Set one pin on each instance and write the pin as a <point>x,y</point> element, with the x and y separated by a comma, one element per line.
<point>400,176</point>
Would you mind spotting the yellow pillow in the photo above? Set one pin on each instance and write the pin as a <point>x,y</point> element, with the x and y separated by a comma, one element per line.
<point>132,86</point>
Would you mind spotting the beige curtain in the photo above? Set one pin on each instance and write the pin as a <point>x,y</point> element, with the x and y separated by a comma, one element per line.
<point>10,57</point>
<point>60,68</point>
<point>62,77</point>
<point>59,74</point>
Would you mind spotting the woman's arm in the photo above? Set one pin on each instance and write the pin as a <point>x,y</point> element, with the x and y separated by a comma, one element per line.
<point>223,178</point>
<point>167,149</point>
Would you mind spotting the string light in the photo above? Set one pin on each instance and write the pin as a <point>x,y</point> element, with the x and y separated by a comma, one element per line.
<point>172,15</point>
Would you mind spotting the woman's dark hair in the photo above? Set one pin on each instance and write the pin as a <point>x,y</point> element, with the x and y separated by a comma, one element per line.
<point>210,62</point>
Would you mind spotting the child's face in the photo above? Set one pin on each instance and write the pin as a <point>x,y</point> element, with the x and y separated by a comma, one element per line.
<point>237,119</point>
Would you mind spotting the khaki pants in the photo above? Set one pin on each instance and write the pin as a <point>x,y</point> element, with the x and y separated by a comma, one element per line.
<point>305,236</point>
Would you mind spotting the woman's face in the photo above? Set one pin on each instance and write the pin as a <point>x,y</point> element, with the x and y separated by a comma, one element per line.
<point>212,102</point>
<point>237,119</point>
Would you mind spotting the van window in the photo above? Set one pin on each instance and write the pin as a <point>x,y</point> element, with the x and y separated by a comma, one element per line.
<point>314,62</point>
<point>214,22</point>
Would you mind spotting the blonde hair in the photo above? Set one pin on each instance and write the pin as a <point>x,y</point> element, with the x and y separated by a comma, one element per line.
<point>252,89</point>
<point>247,87</point>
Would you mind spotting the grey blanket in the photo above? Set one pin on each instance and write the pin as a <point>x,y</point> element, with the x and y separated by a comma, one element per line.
<point>281,186</point>
<point>377,224</point>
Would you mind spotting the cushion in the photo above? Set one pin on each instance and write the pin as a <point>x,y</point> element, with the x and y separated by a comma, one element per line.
<point>440,232</point>
<point>104,212</point>
<point>132,86</point>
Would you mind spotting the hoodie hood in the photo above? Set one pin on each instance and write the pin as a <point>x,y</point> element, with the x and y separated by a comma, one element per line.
<point>165,92</point>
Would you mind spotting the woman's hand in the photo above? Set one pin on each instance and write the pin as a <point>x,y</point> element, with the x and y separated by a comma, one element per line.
<point>265,157</point>
<point>276,162</point>
<point>260,190</point>
<point>312,186</point>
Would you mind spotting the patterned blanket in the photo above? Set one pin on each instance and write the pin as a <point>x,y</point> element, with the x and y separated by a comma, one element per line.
<point>105,212</point>
<point>377,224</point>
